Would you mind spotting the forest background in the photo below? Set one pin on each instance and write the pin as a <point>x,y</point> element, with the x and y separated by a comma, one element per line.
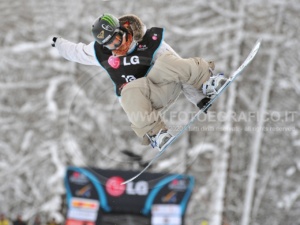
<point>244,154</point>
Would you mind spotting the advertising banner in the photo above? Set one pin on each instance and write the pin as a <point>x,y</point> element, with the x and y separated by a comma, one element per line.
<point>93,191</point>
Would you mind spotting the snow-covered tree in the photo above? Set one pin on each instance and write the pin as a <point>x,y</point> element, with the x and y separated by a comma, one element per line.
<point>243,153</point>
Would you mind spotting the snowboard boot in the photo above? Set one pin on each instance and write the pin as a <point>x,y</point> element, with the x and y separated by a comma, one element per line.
<point>160,140</point>
<point>213,84</point>
<point>210,89</point>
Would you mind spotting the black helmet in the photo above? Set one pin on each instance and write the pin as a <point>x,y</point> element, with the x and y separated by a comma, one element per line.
<point>105,27</point>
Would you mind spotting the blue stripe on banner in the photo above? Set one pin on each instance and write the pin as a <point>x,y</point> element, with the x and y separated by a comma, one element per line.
<point>187,195</point>
<point>69,194</point>
<point>103,200</point>
<point>149,201</point>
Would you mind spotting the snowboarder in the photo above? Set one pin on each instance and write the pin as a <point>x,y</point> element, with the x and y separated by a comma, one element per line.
<point>147,73</point>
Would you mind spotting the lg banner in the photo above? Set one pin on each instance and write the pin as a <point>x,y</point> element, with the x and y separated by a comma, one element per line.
<point>93,191</point>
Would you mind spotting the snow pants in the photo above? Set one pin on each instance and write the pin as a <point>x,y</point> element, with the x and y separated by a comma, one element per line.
<point>144,99</point>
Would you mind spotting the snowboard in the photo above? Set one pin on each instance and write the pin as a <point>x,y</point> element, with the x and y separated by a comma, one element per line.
<point>204,109</point>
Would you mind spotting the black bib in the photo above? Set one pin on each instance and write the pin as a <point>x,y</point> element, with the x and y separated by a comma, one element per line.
<point>135,65</point>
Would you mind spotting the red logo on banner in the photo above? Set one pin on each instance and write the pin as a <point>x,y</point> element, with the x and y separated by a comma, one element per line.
<point>114,186</point>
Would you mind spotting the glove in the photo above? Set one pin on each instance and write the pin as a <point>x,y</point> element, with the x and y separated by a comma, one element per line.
<point>54,41</point>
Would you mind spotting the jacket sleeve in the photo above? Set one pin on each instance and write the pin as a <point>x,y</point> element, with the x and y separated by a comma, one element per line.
<point>80,53</point>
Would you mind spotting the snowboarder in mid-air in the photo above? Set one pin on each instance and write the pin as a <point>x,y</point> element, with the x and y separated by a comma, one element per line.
<point>147,73</point>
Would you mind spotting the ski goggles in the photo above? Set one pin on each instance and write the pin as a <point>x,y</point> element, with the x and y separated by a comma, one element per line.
<point>115,41</point>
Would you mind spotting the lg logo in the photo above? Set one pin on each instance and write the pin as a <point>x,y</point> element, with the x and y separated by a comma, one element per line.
<point>132,61</point>
<point>138,188</point>
<point>115,61</point>
<point>115,188</point>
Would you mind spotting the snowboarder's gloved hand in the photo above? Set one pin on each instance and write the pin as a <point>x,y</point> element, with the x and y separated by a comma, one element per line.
<point>54,41</point>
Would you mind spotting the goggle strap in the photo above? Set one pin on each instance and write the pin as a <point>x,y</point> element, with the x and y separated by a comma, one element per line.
<point>117,31</point>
